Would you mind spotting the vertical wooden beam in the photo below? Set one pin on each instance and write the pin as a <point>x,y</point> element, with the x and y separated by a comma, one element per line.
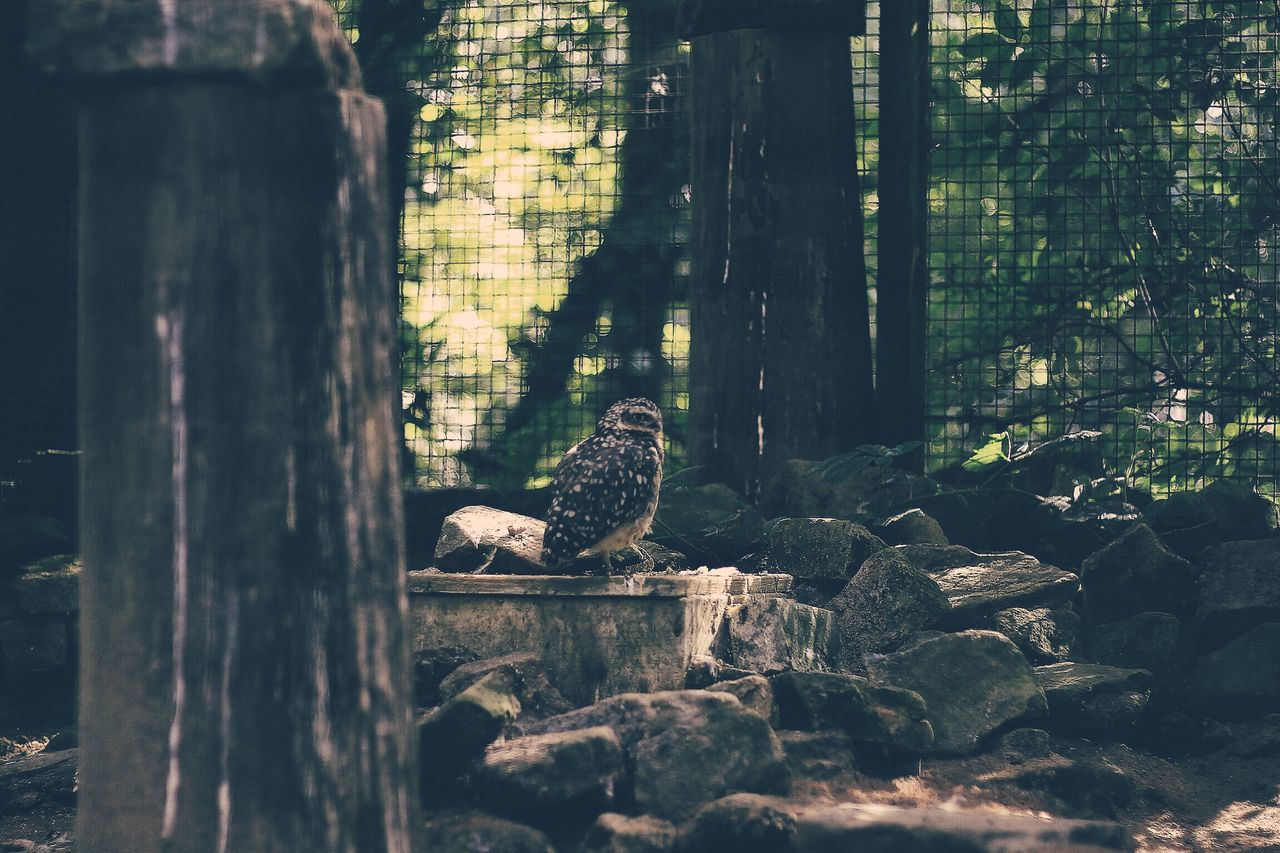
<point>903,271</point>
<point>245,659</point>
<point>780,362</point>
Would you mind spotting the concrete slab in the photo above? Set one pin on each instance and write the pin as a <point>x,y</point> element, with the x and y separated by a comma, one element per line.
<point>597,636</point>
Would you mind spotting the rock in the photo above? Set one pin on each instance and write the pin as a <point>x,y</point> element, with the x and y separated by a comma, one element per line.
<point>51,585</point>
<point>818,755</point>
<point>973,683</point>
<point>705,671</point>
<point>300,42</point>
<point>755,694</point>
<point>744,823</point>
<point>36,781</point>
<point>818,548</point>
<point>1242,679</point>
<point>1256,738</point>
<point>1221,512</point>
<point>712,524</point>
<point>1085,784</point>
<point>24,538</point>
<point>687,747</point>
<point>537,695</point>
<point>664,559</point>
<point>774,634</point>
<point>548,779</point>
<point>431,666</point>
<point>845,487</point>
<point>33,643</point>
<point>1092,699</point>
<point>66,739</point>
<point>878,828</point>
<point>1043,635</point>
<point>1176,734</point>
<point>1156,642</point>
<point>865,711</point>
<point>482,833</point>
<point>1240,588</point>
<point>451,736</point>
<point>980,585</point>
<point>1137,574</point>
<point>480,537</point>
<point>615,833</point>
<point>913,527</point>
<point>882,605</point>
<point>1021,745</point>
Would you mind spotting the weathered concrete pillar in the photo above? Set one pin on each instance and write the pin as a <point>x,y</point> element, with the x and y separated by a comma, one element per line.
<point>780,358</point>
<point>244,680</point>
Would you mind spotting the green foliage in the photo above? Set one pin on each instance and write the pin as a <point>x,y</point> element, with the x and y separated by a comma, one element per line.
<point>1113,167</point>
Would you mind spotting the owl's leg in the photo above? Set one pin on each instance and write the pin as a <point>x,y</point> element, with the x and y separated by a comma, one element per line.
<point>645,563</point>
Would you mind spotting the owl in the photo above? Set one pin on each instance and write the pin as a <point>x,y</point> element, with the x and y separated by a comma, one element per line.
<point>605,489</point>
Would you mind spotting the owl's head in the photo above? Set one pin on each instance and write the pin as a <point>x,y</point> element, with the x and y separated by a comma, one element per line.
<point>634,414</point>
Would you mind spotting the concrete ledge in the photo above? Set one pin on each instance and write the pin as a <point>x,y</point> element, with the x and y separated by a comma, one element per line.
<point>597,636</point>
<point>658,586</point>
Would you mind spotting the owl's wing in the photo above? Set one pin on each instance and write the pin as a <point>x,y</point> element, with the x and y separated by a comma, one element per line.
<point>598,485</point>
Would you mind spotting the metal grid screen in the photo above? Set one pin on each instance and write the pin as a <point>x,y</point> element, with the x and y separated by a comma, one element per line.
<point>1103,189</point>
<point>1103,233</point>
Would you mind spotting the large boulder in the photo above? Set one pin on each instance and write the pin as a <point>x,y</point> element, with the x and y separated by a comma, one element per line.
<point>863,486</point>
<point>884,604</point>
<point>743,823</point>
<point>1241,680</point>
<point>1221,512</point>
<point>455,734</point>
<point>872,713</point>
<point>431,666</point>
<point>773,634</point>
<point>878,828</point>
<point>712,524</point>
<point>980,585</point>
<point>1091,699</point>
<point>1136,574</point>
<point>51,585</point>
<point>973,683</point>
<point>38,781</point>
<point>552,778</point>
<point>617,833</point>
<point>754,692</point>
<point>524,671</point>
<point>1156,642</point>
<point>466,833</point>
<point>1043,635</point>
<point>479,538</point>
<point>829,549</point>
<point>1240,588</point>
<point>913,527</point>
<point>687,747</point>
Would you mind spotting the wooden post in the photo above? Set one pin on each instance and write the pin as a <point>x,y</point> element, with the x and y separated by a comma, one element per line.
<point>780,364</point>
<point>244,680</point>
<point>903,273</point>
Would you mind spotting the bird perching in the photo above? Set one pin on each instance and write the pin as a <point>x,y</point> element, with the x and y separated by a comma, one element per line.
<point>605,489</point>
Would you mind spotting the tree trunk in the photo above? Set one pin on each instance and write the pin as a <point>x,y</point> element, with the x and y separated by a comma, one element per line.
<point>903,280</point>
<point>780,365</point>
<point>245,659</point>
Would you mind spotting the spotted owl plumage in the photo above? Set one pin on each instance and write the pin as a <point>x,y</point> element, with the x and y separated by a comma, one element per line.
<point>605,489</point>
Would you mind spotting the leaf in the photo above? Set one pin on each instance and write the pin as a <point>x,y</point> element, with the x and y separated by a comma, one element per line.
<point>991,453</point>
<point>1008,23</point>
<point>684,477</point>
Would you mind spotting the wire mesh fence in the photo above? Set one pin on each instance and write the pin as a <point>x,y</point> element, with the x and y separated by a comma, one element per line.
<point>1103,184</point>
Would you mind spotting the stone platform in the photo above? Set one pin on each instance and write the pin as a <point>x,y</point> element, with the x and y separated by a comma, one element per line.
<point>597,636</point>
